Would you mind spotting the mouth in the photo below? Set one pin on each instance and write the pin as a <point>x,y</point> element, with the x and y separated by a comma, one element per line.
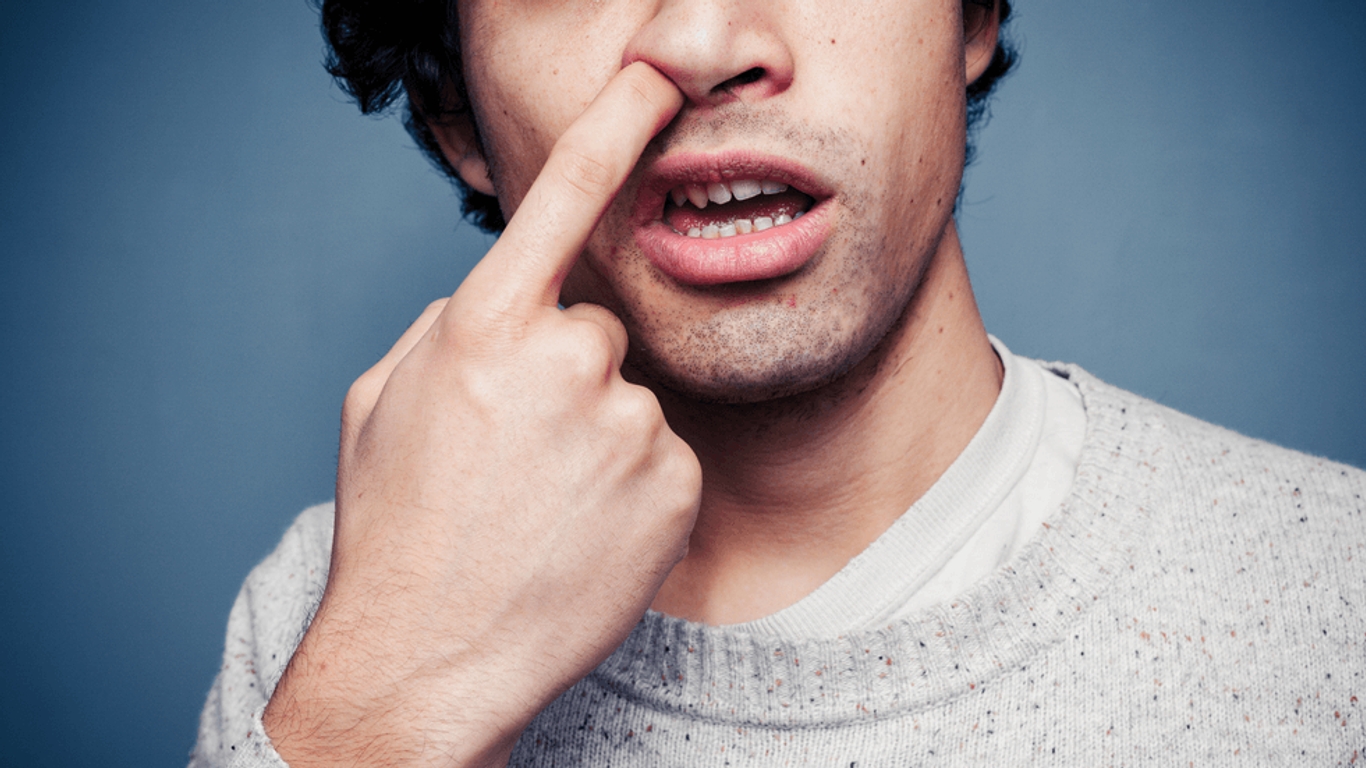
<point>706,219</point>
<point>725,209</point>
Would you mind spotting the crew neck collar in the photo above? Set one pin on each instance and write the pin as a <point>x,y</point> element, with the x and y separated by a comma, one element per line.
<point>935,526</point>
<point>673,664</point>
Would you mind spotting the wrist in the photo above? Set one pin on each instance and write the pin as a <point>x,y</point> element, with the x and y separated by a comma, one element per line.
<point>329,710</point>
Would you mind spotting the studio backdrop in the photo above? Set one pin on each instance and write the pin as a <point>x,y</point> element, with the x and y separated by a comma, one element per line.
<point>204,244</point>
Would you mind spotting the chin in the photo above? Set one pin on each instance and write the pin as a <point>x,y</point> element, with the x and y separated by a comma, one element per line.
<point>731,385</point>
<point>761,357</point>
<point>777,340</point>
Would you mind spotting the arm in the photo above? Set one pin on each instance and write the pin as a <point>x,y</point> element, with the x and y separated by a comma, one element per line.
<point>268,618</point>
<point>507,504</point>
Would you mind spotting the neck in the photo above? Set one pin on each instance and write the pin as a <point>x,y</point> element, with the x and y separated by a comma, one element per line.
<point>792,490</point>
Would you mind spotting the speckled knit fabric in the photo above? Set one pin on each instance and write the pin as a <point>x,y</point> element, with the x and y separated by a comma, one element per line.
<point>1197,601</point>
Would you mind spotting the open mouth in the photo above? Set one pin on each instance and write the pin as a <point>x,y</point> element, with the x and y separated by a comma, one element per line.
<point>730,217</point>
<point>733,207</point>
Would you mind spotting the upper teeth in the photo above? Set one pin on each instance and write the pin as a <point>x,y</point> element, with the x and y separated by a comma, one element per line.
<point>723,192</point>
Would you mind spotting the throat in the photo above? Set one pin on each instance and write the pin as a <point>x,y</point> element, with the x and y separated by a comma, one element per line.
<point>720,585</point>
<point>793,487</point>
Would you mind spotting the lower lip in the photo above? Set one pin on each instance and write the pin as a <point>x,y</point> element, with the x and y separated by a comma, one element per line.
<point>775,252</point>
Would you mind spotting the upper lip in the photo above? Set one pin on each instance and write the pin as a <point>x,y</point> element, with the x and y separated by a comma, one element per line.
<point>703,167</point>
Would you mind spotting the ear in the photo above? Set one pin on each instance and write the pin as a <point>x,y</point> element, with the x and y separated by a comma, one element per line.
<point>981,26</point>
<point>455,135</point>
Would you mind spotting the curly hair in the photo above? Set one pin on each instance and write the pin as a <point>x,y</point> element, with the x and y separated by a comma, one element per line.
<point>381,51</point>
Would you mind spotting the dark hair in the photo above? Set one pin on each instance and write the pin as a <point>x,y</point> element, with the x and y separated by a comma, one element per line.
<point>979,91</point>
<point>380,51</point>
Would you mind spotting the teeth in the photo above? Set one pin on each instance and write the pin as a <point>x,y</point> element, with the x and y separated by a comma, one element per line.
<point>741,226</point>
<point>722,192</point>
<point>744,190</point>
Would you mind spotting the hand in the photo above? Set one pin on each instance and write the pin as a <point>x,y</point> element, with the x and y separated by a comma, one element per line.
<point>507,504</point>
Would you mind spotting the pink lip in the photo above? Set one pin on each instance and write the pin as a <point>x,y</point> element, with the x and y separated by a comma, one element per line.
<point>757,256</point>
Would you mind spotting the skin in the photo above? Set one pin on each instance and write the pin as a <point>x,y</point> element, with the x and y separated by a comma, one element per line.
<point>518,483</point>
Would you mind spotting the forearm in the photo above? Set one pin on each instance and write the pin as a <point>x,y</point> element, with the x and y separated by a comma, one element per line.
<point>507,503</point>
<point>340,704</point>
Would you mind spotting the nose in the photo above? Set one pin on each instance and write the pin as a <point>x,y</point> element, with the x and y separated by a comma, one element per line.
<point>716,51</point>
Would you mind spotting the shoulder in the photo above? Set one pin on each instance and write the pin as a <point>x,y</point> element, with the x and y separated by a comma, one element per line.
<point>269,617</point>
<point>303,552</point>
<point>1238,502</point>
<point>1247,581</point>
<point>1210,462</point>
<point>280,595</point>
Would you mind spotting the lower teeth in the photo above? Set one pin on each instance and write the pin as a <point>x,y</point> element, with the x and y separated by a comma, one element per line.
<point>741,226</point>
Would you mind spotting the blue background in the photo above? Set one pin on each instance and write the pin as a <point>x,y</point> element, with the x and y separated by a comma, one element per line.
<point>203,244</point>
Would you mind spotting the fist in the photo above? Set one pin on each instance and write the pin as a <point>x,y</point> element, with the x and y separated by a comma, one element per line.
<point>507,504</point>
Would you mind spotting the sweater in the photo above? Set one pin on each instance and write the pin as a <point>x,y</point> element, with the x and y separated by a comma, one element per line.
<point>982,510</point>
<point>1197,600</point>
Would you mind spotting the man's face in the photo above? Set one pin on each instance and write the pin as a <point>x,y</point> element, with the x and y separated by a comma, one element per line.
<point>858,108</point>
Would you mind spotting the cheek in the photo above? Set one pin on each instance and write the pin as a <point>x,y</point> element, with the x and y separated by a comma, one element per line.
<point>529,78</point>
<point>588,280</point>
<point>894,77</point>
<point>518,128</point>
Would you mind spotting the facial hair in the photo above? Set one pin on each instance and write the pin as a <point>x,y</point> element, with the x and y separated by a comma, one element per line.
<point>778,338</point>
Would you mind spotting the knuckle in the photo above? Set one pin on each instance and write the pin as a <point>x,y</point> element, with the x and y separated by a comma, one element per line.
<point>677,460</point>
<point>584,351</point>
<point>678,470</point>
<point>612,324</point>
<point>361,397</point>
<point>685,468</point>
<point>644,96</point>
<point>600,316</point>
<point>637,407</point>
<point>484,333</point>
<point>581,171</point>
<point>638,89</point>
<point>586,310</point>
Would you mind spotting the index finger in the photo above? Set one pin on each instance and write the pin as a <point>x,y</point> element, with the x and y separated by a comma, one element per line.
<point>586,167</point>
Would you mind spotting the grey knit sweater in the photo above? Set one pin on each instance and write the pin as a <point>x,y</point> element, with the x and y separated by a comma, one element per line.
<point>1200,599</point>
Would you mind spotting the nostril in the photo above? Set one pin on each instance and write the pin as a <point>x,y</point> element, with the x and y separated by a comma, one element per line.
<point>751,75</point>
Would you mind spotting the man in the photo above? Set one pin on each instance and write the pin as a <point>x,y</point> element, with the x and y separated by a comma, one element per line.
<point>764,491</point>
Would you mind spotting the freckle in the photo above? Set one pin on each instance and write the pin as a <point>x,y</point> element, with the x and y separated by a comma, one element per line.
<point>941,329</point>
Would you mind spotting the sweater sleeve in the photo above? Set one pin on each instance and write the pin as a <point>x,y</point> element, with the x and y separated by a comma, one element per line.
<point>267,622</point>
